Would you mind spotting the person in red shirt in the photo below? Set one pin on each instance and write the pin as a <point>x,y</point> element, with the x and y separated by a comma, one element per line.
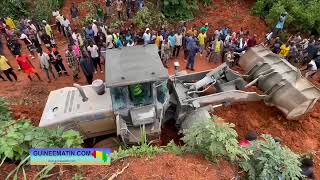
<point>251,136</point>
<point>252,41</point>
<point>26,66</point>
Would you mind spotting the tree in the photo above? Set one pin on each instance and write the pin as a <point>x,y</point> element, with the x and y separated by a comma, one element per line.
<point>304,15</point>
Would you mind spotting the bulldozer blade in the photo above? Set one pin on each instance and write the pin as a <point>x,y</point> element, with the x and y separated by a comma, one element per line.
<point>286,88</point>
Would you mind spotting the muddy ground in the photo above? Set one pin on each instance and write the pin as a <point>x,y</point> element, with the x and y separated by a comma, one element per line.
<point>28,100</point>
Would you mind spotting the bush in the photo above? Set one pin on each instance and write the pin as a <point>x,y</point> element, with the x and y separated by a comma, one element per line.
<point>179,9</point>
<point>303,15</point>
<point>149,18</point>
<point>17,137</point>
<point>213,140</point>
<point>182,9</point>
<point>136,151</point>
<point>5,114</point>
<point>270,160</point>
<point>37,9</point>
<point>91,15</point>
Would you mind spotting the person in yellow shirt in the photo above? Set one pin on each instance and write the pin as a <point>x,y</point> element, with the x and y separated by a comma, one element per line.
<point>158,42</point>
<point>10,23</point>
<point>6,68</point>
<point>284,50</point>
<point>48,29</point>
<point>218,45</point>
<point>202,39</point>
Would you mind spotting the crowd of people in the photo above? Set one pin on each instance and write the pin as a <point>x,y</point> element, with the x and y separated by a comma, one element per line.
<point>298,51</point>
<point>88,45</point>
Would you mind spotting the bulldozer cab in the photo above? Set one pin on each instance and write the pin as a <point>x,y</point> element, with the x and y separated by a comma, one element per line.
<point>137,81</point>
<point>132,95</point>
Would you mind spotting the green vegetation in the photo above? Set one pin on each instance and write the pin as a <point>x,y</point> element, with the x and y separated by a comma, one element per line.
<point>182,9</point>
<point>34,9</point>
<point>18,136</point>
<point>145,149</point>
<point>5,114</point>
<point>149,17</point>
<point>270,160</point>
<point>265,159</point>
<point>214,140</point>
<point>303,15</point>
<point>90,7</point>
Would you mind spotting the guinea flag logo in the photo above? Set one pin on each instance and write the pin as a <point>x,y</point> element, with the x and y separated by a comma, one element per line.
<point>100,154</point>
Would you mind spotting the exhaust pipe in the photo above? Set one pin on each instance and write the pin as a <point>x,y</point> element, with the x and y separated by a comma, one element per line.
<point>81,91</point>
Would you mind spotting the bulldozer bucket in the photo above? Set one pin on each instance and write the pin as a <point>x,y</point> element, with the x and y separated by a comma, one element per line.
<point>283,83</point>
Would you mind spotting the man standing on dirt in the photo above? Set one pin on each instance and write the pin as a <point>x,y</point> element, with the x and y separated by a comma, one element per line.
<point>202,40</point>
<point>95,30</point>
<point>119,8</point>
<point>87,67</point>
<point>74,11</point>
<point>109,39</point>
<point>94,54</point>
<point>59,20</point>
<point>178,44</point>
<point>192,49</point>
<point>73,62</point>
<point>109,7</point>
<point>172,43</point>
<point>47,28</point>
<point>45,64</point>
<point>56,61</point>
<point>6,68</point>
<point>146,37</point>
<point>66,26</point>
<point>280,25</point>
<point>26,66</point>
<point>217,49</point>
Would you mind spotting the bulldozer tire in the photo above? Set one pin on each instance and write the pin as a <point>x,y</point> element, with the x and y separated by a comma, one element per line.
<point>111,143</point>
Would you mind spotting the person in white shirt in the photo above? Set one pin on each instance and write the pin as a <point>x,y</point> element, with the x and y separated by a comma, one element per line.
<point>311,69</point>
<point>59,20</point>
<point>29,44</point>
<point>45,64</point>
<point>66,26</point>
<point>95,31</point>
<point>147,37</point>
<point>94,54</point>
<point>55,13</point>
<point>109,40</point>
<point>178,44</point>
<point>95,28</point>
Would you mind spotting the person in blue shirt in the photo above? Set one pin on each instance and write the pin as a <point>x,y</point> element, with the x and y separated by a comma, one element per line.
<point>193,48</point>
<point>128,37</point>
<point>164,33</point>
<point>89,33</point>
<point>280,24</point>
<point>172,42</point>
